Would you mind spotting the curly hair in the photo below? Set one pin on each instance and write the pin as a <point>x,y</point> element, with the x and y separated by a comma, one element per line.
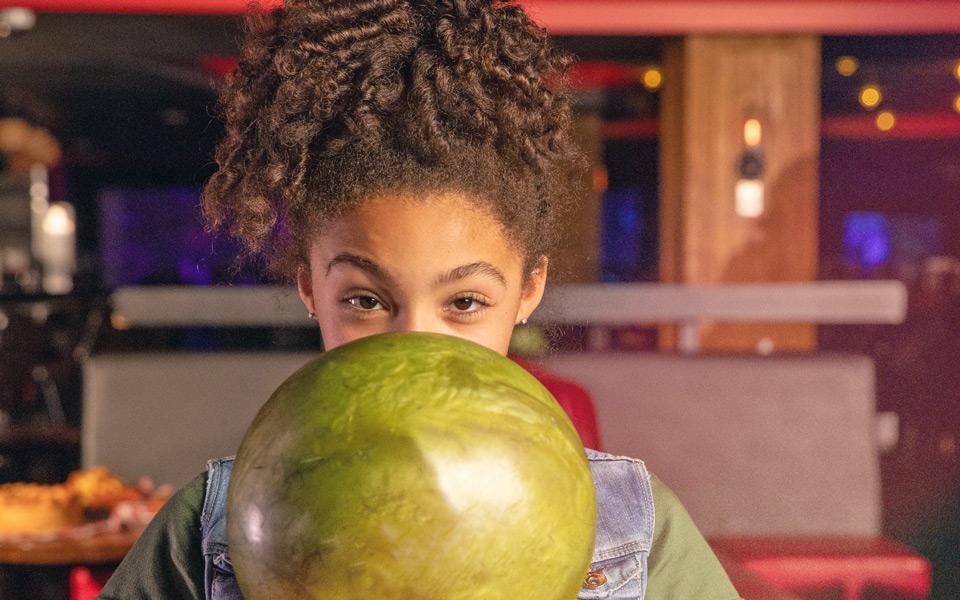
<point>335,101</point>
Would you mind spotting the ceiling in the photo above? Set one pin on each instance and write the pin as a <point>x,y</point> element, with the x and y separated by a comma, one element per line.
<point>136,94</point>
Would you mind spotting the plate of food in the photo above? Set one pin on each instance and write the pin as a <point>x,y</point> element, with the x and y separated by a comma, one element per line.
<point>91,506</point>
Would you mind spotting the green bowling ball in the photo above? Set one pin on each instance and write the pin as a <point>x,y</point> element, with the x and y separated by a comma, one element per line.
<point>411,466</point>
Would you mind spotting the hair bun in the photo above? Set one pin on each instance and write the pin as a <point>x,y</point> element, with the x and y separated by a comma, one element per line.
<point>422,79</point>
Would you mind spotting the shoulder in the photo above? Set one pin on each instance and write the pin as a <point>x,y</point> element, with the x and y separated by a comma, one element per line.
<point>682,564</point>
<point>625,527</point>
<point>166,561</point>
<point>181,513</point>
<point>621,477</point>
<point>625,504</point>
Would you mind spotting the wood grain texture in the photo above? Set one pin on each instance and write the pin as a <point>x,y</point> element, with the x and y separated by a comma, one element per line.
<point>712,85</point>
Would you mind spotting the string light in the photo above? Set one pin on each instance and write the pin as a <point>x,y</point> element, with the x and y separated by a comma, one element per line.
<point>870,96</point>
<point>652,78</point>
<point>847,65</point>
<point>886,121</point>
<point>956,70</point>
<point>956,103</point>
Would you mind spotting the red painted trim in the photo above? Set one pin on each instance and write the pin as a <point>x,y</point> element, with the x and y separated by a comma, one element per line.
<point>220,66</point>
<point>631,129</point>
<point>177,7</point>
<point>672,17</point>
<point>638,17</point>
<point>590,75</point>
<point>909,126</point>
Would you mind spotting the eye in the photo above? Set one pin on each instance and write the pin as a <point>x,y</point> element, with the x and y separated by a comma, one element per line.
<point>468,304</point>
<point>364,302</point>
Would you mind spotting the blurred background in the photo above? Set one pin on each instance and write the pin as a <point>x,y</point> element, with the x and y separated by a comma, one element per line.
<point>773,208</point>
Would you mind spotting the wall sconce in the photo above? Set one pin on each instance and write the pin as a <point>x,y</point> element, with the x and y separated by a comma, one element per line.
<point>749,191</point>
<point>59,243</point>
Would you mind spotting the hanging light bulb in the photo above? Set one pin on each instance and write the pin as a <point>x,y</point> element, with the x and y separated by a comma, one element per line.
<point>870,96</point>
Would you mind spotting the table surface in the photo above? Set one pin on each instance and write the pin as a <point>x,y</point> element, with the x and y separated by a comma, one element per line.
<point>102,548</point>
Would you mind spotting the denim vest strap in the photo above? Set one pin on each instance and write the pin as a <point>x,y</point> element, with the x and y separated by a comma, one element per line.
<point>625,512</point>
<point>219,581</point>
<point>625,523</point>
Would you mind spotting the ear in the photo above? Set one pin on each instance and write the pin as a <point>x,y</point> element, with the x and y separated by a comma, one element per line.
<point>533,289</point>
<point>305,288</point>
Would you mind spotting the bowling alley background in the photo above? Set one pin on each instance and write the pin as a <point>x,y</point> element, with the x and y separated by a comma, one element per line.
<point>758,293</point>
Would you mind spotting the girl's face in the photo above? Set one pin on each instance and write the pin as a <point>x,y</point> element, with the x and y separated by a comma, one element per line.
<point>438,265</point>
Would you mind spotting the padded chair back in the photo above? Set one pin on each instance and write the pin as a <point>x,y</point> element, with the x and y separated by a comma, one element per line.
<point>162,415</point>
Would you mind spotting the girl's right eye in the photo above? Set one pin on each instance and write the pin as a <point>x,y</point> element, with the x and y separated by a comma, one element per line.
<point>364,303</point>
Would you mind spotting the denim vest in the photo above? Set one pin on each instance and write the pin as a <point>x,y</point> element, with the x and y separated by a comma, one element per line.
<point>625,519</point>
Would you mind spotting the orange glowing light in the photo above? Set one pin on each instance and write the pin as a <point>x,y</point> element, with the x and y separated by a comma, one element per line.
<point>870,96</point>
<point>652,78</point>
<point>847,65</point>
<point>886,121</point>
<point>752,132</point>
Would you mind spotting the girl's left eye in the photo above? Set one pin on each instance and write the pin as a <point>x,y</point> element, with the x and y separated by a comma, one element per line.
<point>468,304</point>
<point>364,303</point>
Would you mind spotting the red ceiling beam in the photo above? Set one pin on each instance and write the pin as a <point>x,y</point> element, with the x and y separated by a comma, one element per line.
<point>162,7</point>
<point>671,17</point>
<point>639,17</point>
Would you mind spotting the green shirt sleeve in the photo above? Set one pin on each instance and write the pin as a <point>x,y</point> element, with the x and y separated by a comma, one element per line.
<point>167,561</point>
<point>681,564</point>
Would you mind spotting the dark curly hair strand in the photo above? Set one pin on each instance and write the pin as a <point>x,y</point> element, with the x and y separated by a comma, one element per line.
<point>335,101</point>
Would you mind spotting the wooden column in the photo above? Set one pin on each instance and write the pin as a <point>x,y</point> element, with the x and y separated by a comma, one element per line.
<point>713,84</point>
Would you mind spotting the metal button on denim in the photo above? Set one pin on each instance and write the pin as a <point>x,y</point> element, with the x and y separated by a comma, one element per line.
<point>594,579</point>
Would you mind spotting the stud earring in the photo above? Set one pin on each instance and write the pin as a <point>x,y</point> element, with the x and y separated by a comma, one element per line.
<point>312,315</point>
<point>523,321</point>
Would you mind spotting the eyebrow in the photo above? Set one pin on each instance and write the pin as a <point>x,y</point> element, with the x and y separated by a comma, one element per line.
<point>363,264</point>
<point>482,268</point>
<point>478,268</point>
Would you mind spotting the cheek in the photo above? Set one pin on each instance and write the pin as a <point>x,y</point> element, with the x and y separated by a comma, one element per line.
<point>335,333</point>
<point>335,329</point>
<point>493,332</point>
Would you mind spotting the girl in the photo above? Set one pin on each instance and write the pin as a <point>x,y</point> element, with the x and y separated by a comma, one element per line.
<point>404,162</point>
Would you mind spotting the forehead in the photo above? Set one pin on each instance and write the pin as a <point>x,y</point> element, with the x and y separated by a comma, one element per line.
<point>419,236</point>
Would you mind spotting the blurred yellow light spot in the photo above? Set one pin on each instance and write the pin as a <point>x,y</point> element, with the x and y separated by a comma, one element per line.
<point>956,70</point>
<point>847,65</point>
<point>118,321</point>
<point>870,96</point>
<point>886,121</point>
<point>956,103</point>
<point>652,78</point>
<point>752,132</point>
